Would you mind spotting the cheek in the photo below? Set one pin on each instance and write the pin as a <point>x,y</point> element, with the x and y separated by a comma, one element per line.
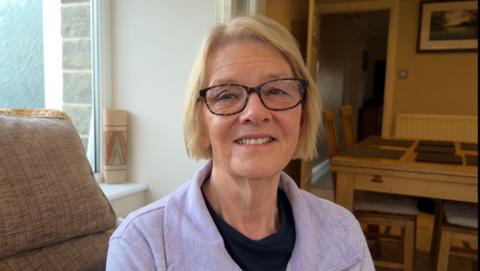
<point>204,133</point>
<point>295,124</point>
<point>293,131</point>
<point>204,140</point>
<point>213,130</point>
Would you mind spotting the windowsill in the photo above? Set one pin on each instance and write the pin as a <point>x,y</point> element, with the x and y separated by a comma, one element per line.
<point>116,191</point>
<point>125,197</point>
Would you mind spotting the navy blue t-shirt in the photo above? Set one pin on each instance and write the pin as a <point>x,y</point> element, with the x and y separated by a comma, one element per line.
<point>270,253</point>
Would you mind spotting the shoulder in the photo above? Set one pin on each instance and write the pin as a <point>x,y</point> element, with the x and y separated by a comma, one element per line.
<point>320,221</point>
<point>149,220</point>
<point>326,208</point>
<point>323,212</point>
<point>139,243</point>
<point>158,222</point>
<point>332,215</point>
<point>337,224</point>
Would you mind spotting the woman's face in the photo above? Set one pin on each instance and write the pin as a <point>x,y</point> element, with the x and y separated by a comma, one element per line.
<point>250,63</point>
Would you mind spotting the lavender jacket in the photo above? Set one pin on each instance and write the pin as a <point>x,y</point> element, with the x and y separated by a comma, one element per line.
<point>178,233</point>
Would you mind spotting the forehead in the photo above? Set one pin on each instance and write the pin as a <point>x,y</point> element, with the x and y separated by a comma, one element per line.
<point>246,62</point>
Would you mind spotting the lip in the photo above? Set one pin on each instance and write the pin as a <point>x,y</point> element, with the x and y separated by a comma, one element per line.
<point>254,136</point>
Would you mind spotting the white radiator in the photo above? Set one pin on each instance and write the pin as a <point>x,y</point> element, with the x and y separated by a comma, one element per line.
<point>437,127</point>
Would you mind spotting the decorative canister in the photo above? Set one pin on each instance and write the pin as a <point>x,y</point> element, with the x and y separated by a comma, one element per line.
<point>115,146</point>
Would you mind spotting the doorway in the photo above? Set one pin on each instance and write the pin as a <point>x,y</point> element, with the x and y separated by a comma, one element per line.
<point>351,69</point>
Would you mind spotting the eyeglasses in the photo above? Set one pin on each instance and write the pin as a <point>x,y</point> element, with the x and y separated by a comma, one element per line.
<point>276,95</point>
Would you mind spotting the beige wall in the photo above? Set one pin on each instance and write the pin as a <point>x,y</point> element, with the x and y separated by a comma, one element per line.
<point>292,14</point>
<point>154,44</point>
<point>437,83</point>
<point>283,11</point>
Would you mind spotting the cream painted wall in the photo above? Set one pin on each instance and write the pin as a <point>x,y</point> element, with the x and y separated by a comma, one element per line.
<point>154,44</point>
<point>437,83</point>
<point>284,11</point>
<point>293,15</point>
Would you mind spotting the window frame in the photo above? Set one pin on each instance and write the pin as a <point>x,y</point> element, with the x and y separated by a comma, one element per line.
<point>101,71</point>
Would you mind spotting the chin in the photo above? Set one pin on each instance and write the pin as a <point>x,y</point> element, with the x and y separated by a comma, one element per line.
<point>258,169</point>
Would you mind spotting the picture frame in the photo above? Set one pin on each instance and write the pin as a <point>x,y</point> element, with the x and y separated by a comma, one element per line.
<point>448,26</point>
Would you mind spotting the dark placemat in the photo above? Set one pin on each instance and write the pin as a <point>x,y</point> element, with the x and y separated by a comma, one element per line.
<point>471,160</point>
<point>377,140</point>
<point>438,158</point>
<point>435,149</point>
<point>373,152</point>
<point>469,146</point>
<point>437,143</point>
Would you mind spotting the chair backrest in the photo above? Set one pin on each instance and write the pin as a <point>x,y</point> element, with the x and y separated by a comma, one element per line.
<point>330,132</point>
<point>331,142</point>
<point>348,125</point>
<point>51,205</point>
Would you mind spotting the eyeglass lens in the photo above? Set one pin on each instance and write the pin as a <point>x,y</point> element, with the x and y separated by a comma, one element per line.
<point>275,95</point>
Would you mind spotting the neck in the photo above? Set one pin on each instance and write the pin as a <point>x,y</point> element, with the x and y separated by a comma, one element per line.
<point>248,205</point>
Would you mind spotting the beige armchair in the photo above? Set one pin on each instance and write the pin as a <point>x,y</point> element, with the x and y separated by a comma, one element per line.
<point>53,215</point>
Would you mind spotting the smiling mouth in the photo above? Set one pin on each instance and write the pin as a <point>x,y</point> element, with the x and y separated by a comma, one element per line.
<point>254,141</point>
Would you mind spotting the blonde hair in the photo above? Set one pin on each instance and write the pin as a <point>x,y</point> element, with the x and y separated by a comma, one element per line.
<point>265,30</point>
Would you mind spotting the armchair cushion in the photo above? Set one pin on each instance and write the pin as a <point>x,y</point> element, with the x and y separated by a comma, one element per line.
<point>48,193</point>
<point>86,253</point>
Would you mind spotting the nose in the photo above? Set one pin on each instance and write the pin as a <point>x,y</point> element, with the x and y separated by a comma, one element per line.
<point>255,111</point>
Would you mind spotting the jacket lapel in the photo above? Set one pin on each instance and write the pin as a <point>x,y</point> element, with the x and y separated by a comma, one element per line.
<point>194,242</point>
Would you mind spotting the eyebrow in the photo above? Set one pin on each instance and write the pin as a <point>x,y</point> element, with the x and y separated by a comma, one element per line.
<point>227,80</point>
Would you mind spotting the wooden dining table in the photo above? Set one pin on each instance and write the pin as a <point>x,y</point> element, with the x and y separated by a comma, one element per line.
<point>389,166</point>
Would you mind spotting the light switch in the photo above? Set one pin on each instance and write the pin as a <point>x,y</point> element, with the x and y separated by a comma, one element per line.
<point>402,73</point>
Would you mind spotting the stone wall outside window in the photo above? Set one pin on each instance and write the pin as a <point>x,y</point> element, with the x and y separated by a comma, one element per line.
<point>77,68</point>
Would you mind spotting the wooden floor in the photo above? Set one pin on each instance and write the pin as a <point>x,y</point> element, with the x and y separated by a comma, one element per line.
<point>423,260</point>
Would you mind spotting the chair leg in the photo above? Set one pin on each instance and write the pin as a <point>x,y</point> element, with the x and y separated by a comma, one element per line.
<point>436,228</point>
<point>334,185</point>
<point>443,251</point>
<point>409,246</point>
<point>375,248</point>
<point>375,229</point>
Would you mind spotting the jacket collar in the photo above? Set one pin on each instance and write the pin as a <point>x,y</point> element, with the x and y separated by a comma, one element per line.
<point>321,244</point>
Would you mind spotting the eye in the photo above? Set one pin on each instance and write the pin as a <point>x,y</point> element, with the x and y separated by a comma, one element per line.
<point>226,96</point>
<point>276,92</point>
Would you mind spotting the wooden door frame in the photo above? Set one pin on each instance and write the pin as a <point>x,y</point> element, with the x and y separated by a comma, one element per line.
<point>393,7</point>
<point>315,10</point>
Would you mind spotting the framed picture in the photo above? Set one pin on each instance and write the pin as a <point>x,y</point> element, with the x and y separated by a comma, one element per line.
<point>448,25</point>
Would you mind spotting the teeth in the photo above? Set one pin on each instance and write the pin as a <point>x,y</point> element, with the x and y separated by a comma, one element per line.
<point>254,141</point>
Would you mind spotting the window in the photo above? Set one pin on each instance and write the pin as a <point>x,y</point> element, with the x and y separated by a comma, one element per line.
<point>48,59</point>
<point>228,9</point>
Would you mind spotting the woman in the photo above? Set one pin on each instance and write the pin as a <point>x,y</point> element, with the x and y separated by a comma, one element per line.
<point>251,107</point>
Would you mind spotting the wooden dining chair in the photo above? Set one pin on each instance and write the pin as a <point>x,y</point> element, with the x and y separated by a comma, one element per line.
<point>377,209</point>
<point>348,125</point>
<point>459,224</point>
<point>330,132</point>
